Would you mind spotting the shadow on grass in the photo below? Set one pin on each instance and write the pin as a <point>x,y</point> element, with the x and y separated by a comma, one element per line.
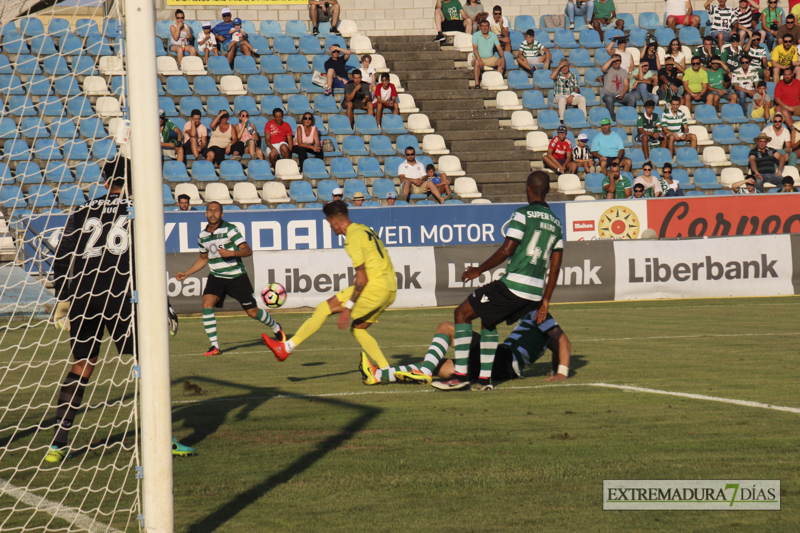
<point>244,404</point>
<point>541,368</point>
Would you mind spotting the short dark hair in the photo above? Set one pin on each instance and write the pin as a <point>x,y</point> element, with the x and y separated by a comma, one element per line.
<point>638,187</point>
<point>276,111</point>
<point>790,17</point>
<point>221,209</point>
<point>484,21</point>
<point>530,32</point>
<point>667,165</point>
<point>761,84</point>
<point>648,163</point>
<point>196,113</point>
<point>384,76</point>
<point>430,167</point>
<point>649,103</point>
<point>788,180</point>
<point>675,99</point>
<point>747,57</point>
<point>614,164</point>
<point>335,208</point>
<point>497,8</point>
<point>184,197</point>
<point>119,171</point>
<point>708,38</point>
<point>357,71</point>
<point>179,12</point>
<point>539,183</point>
<point>366,56</point>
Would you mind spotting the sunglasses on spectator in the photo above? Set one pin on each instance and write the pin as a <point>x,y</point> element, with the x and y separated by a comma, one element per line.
<point>335,195</point>
<point>779,121</point>
<point>226,15</point>
<point>647,169</point>
<point>666,171</point>
<point>179,18</point>
<point>695,62</point>
<point>306,118</point>
<point>242,115</point>
<point>787,41</point>
<point>745,62</point>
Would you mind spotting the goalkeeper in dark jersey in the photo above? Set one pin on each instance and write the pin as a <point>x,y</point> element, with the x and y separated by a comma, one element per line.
<point>92,274</point>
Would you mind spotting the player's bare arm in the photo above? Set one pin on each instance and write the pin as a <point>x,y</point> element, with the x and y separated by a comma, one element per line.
<point>358,287</point>
<point>559,343</point>
<point>555,267</point>
<point>201,262</point>
<point>497,258</point>
<point>243,251</point>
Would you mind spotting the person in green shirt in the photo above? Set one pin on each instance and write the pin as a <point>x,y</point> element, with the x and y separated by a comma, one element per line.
<point>695,84</point>
<point>171,137</point>
<point>719,83</point>
<point>616,185</point>
<point>604,18</point>
<point>449,15</point>
<point>707,51</point>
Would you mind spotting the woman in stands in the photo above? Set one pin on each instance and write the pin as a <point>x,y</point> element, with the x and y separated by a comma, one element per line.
<point>248,136</point>
<point>674,50</point>
<point>653,185</point>
<point>650,56</point>
<point>223,140</point>
<point>473,8</point>
<point>306,142</point>
<point>180,37</point>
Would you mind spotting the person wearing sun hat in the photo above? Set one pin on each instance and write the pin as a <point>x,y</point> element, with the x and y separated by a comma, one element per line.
<point>391,198</point>
<point>232,37</point>
<point>607,147</point>
<point>358,199</point>
<point>581,155</point>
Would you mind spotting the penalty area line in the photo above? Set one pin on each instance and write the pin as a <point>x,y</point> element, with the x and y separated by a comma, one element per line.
<point>69,514</point>
<point>630,388</point>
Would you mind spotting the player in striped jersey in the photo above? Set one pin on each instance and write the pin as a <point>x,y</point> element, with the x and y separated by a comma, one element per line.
<point>533,246</point>
<point>524,345</point>
<point>222,248</point>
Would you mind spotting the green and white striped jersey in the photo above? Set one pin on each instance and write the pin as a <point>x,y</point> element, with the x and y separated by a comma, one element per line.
<point>225,236</point>
<point>539,234</point>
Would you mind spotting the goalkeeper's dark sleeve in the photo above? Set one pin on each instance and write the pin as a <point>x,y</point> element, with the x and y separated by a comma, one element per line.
<point>63,259</point>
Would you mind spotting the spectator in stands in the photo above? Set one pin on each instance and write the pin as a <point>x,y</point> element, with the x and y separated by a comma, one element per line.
<point>787,96</point>
<point>581,8</point>
<point>706,52</point>
<point>324,11</point>
<point>784,56</point>
<point>385,98</point>
<point>358,199</point>
<point>788,185</point>
<point>643,82</point>
<point>608,148</point>
<point>412,175</point>
<point>731,53</point>
<point>765,163</point>
<point>746,186</point>
<point>649,128</point>
<point>744,80</point>
<point>675,51</point>
<point>674,188</point>
<point>695,85</point>
<point>676,126</point>
<point>771,22</point>
<point>307,143</point>
<point>441,184</point>
<point>718,88</point>
<point>650,56</point>
<point>223,140</point>
<point>356,96</point>
<point>533,54</point>
<point>475,11</point>
<point>722,19</point>
<point>335,68</point>
<point>180,37</point>
<point>391,198</point>
<point>500,26</point>
<point>248,136</point>
<point>207,43</point>
<point>368,72</point>
<point>790,28</point>
<point>581,155</point>
<point>614,184</point>
<point>680,12</point>
<point>621,50</point>
<point>231,36</point>
<point>780,139</point>
<point>559,153</point>
<point>171,143</point>
<point>337,194</point>
<point>604,18</point>
<point>183,202</point>
<point>669,80</point>
<point>448,15</point>
<point>652,184</point>
<point>484,44</point>
<point>762,106</point>
<point>746,20</point>
<point>616,82</point>
<point>566,89</point>
<point>195,136</point>
<point>759,56</point>
<point>278,136</point>
<point>638,192</point>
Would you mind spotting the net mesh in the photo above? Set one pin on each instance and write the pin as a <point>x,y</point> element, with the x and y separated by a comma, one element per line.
<point>62,84</point>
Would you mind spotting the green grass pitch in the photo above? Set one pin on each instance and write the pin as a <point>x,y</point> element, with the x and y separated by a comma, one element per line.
<point>303,445</point>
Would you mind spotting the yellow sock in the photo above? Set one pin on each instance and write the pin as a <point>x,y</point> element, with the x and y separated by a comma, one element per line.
<point>370,346</point>
<point>311,325</point>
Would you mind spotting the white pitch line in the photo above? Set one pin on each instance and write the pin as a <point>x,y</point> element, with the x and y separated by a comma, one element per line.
<point>631,388</point>
<point>69,514</point>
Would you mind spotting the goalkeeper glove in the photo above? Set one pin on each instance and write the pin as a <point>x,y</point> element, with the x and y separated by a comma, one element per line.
<point>60,316</point>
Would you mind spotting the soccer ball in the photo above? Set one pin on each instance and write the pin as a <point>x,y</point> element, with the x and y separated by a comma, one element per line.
<point>274,295</point>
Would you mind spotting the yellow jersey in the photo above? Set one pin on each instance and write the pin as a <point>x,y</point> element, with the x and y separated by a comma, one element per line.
<point>783,57</point>
<point>365,248</point>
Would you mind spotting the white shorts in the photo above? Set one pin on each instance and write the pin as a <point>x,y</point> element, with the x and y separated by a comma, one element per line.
<point>277,147</point>
<point>206,46</point>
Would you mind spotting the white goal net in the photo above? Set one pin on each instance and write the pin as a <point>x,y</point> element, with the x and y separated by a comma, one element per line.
<point>63,87</point>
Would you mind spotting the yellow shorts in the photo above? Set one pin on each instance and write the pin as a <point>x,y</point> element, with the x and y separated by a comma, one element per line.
<point>369,306</point>
<point>759,112</point>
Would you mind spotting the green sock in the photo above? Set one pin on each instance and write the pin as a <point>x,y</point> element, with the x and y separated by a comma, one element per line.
<point>266,318</point>
<point>210,325</point>
<point>461,342</point>
<point>488,348</point>
<point>439,346</point>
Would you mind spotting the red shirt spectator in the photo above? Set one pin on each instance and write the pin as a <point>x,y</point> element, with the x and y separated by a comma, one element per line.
<point>560,148</point>
<point>789,93</point>
<point>279,133</point>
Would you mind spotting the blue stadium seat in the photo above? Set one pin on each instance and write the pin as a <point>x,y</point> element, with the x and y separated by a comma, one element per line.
<point>175,172</point>
<point>326,104</point>
<point>724,134</point>
<point>589,39</point>
<point>12,85</point>
<point>8,128</point>
<point>215,104</point>
<point>166,193</point>
<point>32,128</point>
<point>298,64</point>
<point>314,169</point>
<point>575,118</point>
<point>342,168</point>
<point>104,149</point>
<point>627,18</point>
<point>391,164</point>
<point>284,84</point>
<point>85,27</point>
<point>723,192</point>
<point>740,155</point>
<point>309,45</point>
<point>748,133</point>
<point>206,86</point>
<point>659,156</point>
<point>270,28</point>
<point>76,149</point>
<point>523,23</point>
<point>519,80</point>
<point>591,99</point>
<point>366,125</point>
<point>244,65</point>
<point>178,86</point>
<point>594,182</point>
<point>260,44</point>
<point>57,172</point>
<point>681,176</point>
<point>21,106</point>
<point>11,197</point>
<point>325,188</point>
<point>50,106</point>
<point>245,103</point>
<point>91,128</point>
<point>87,172</point>
<point>339,125</point>
<point>204,171</point>
<point>97,45</point>
<point>533,100</point>
<point>117,86</point>
<point>160,50</point>
<point>58,27</point>
<point>627,116</point>
<point>262,207</point>
<point>664,36</point>
<point>424,202</point>
<point>336,151</point>
<point>353,145</point>
<point>31,27</point>
<point>28,173</point>
<point>636,156</point>
<point>541,79</point>
<point>272,65</point>
<point>690,36</point>
<point>231,171</point>
<point>622,135</point>
<point>369,167</point>
<point>70,45</point>
<point>286,206</point>
<point>63,127</point>
<point>566,39</point>
<point>259,170</point>
<point>83,66</point>
<point>307,86</point>
<point>706,114</point>
<point>71,195</point>
<point>732,114</point>
<point>706,179</point>
<point>219,66</point>
<point>393,125</point>
<point>301,191</point>
<point>271,102</point>
<point>166,103</point>
<point>601,57</point>
<point>298,104</point>
<point>318,122</point>
<point>590,133</point>
<point>637,36</point>
<point>283,44</point>
<point>113,29</point>
<point>687,157</point>
<point>380,145</point>
<point>96,190</point>
<point>649,21</point>
<point>39,86</point>
<point>14,43</point>
<point>354,185</point>
<point>256,85</point>
<point>511,64</point>
<point>333,40</point>
<point>548,119</point>
<point>373,203</point>
<point>67,86</point>
<point>43,45</point>
<point>406,141</point>
<point>296,28</point>
<point>580,58</point>
<point>162,29</point>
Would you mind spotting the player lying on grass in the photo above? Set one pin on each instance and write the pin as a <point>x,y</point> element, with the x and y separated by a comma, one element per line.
<point>360,305</point>
<point>524,345</point>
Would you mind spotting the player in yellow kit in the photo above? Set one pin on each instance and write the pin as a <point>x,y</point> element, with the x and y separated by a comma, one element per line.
<point>360,305</point>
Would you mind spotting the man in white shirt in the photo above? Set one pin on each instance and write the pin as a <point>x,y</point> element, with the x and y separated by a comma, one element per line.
<point>412,175</point>
<point>680,12</point>
<point>781,138</point>
<point>621,50</point>
<point>500,26</point>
